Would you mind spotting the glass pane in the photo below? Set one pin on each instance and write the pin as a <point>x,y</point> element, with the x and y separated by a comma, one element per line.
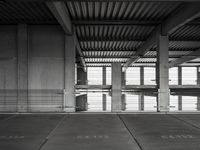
<point>150,103</point>
<point>132,102</point>
<point>173,103</point>
<point>133,76</point>
<point>94,75</point>
<point>189,103</point>
<point>108,103</point>
<point>189,75</point>
<point>95,101</point>
<point>149,76</point>
<point>173,76</point>
<point>108,75</point>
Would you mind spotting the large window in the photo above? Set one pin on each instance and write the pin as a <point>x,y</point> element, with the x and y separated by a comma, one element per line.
<point>108,75</point>
<point>132,102</point>
<point>94,75</point>
<point>189,103</point>
<point>133,76</point>
<point>189,75</point>
<point>108,102</point>
<point>149,76</point>
<point>95,102</point>
<point>150,103</point>
<point>173,103</point>
<point>173,76</point>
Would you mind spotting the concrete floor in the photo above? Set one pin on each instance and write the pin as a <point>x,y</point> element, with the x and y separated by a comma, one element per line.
<point>100,132</point>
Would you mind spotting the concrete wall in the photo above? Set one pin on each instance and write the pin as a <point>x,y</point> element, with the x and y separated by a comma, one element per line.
<point>45,68</point>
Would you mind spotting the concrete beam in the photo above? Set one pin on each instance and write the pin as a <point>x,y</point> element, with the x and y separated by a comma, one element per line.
<point>60,12</point>
<point>69,95</point>
<point>116,87</point>
<point>22,67</point>
<point>183,59</point>
<point>185,14</point>
<point>163,73</point>
<point>80,52</point>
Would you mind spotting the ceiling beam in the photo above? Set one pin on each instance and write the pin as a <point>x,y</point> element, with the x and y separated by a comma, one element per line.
<point>183,15</point>
<point>115,22</point>
<point>106,0</point>
<point>80,52</point>
<point>183,59</point>
<point>59,10</point>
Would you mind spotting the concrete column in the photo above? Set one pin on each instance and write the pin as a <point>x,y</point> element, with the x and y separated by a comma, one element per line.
<point>69,92</point>
<point>81,77</point>
<point>179,83</point>
<point>198,83</point>
<point>22,67</point>
<point>81,101</point>
<point>104,83</point>
<point>123,95</point>
<point>116,87</point>
<point>163,74</point>
<point>141,97</point>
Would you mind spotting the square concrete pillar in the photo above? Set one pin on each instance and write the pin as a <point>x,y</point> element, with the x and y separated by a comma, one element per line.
<point>69,63</point>
<point>22,68</point>
<point>163,74</point>
<point>116,87</point>
<point>179,83</point>
<point>104,83</point>
<point>141,97</point>
<point>198,83</point>
<point>81,76</point>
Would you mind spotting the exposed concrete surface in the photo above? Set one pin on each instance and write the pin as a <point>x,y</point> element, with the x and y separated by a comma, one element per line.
<point>99,132</point>
<point>162,132</point>
<point>26,132</point>
<point>91,132</point>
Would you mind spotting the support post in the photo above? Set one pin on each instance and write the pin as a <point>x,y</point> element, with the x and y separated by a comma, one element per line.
<point>69,92</point>
<point>198,83</point>
<point>104,83</point>
<point>22,68</point>
<point>163,74</point>
<point>141,97</point>
<point>180,83</point>
<point>116,87</point>
<point>81,101</point>
<point>123,95</point>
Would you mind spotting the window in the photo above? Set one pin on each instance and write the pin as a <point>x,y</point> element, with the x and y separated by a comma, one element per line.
<point>94,75</point>
<point>133,76</point>
<point>132,102</point>
<point>108,75</point>
<point>108,102</point>
<point>149,76</point>
<point>173,76</point>
<point>95,101</point>
<point>189,75</point>
<point>150,103</point>
<point>189,103</point>
<point>173,103</point>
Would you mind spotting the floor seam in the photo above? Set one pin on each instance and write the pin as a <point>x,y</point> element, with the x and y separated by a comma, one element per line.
<point>6,119</point>
<point>132,135</point>
<point>50,133</point>
<point>185,122</point>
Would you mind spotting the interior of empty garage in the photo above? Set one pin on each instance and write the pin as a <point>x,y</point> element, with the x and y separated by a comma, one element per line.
<point>99,74</point>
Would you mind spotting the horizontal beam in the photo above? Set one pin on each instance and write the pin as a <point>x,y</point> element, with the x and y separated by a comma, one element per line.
<point>107,0</point>
<point>60,12</point>
<point>183,59</point>
<point>80,52</point>
<point>183,15</point>
<point>115,22</point>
